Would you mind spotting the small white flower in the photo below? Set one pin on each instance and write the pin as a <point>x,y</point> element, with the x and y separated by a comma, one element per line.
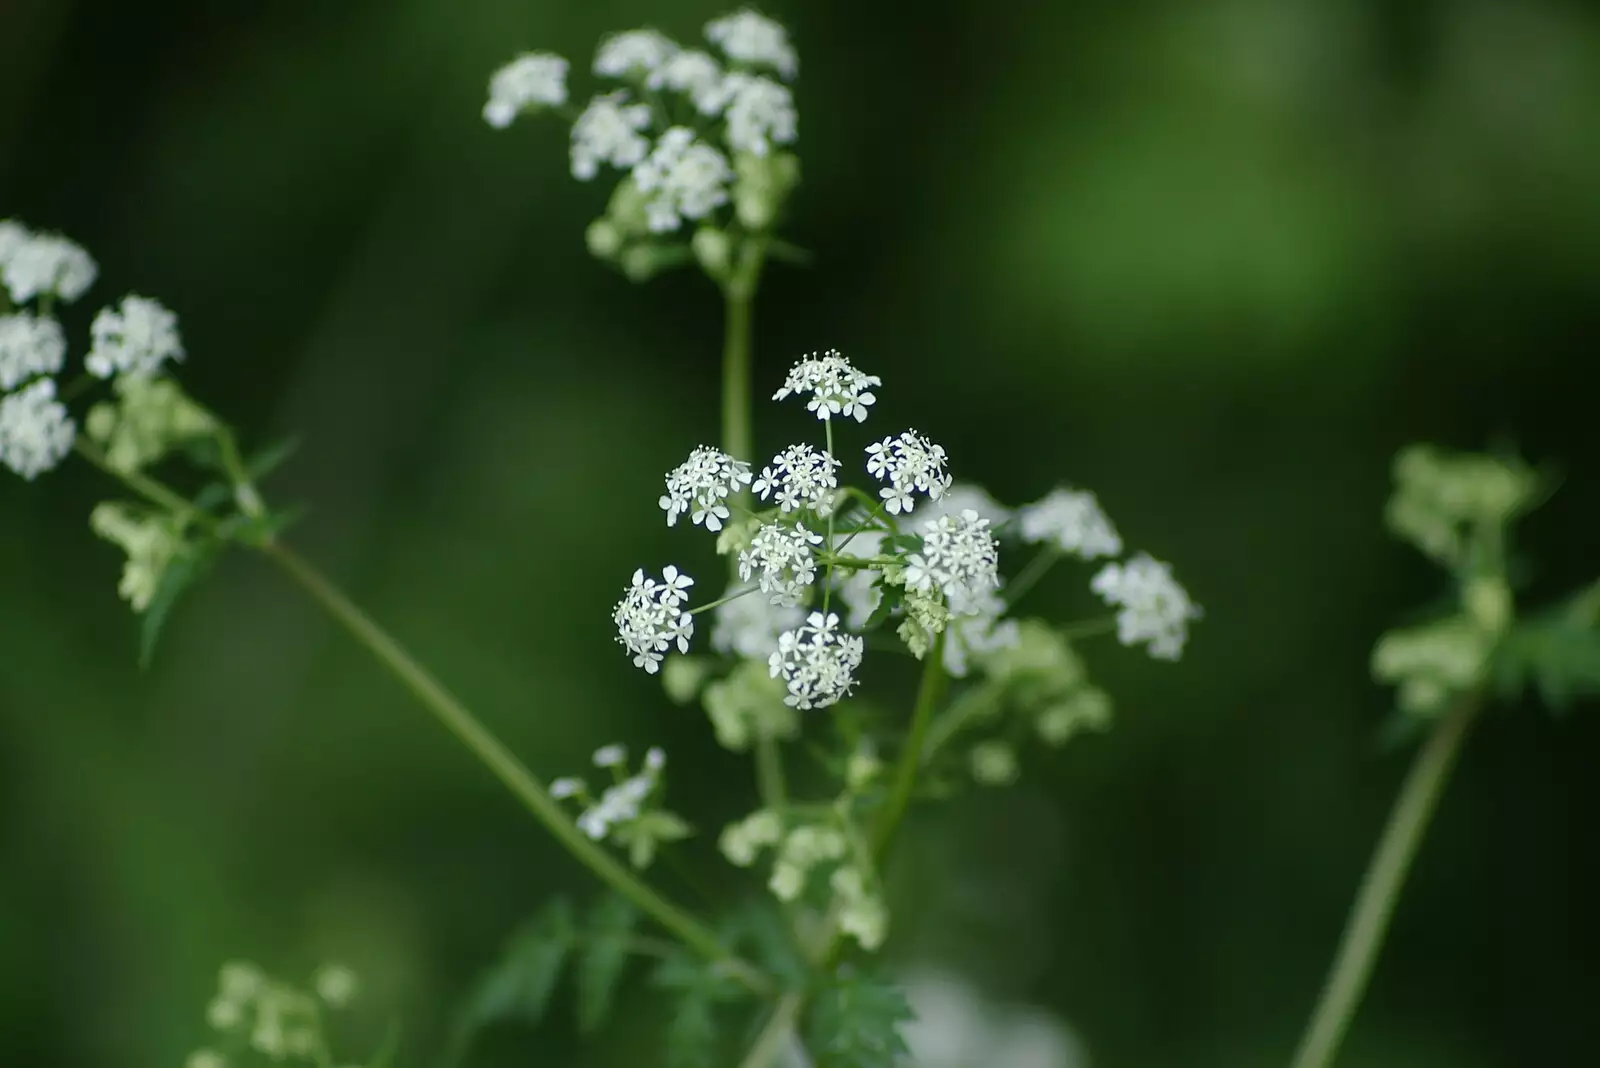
<point>799,477</point>
<point>29,346</point>
<point>608,132</point>
<point>335,984</point>
<point>1154,608</point>
<point>760,113</point>
<point>566,787</point>
<point>649,618</point>
<point>836,387</point>
<point>748,37</point>
<point>38,265</point>
<point>35,432</point>
<point>977,632</point>
<point>748,626</point>
<point>151,542</point>
<point>533,79</point>
<point>610,756</point>
<point>135,340</point>
<point>959,558</point>
<point>908,463</point>
<point>689,180</point>
<point>655,758</point>
<point>782,557</point>
<point>700,484</point>
<point>633,52</point>
<point>695,73</point>
<point>816,662</point>
<point>1073,521</point>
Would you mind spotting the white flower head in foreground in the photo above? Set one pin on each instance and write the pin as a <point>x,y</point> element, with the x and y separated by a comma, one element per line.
<point>633,52</point>
<point>760,114</point>
<point>781,555</point>
<point>34,265</point>
<point>816,662</point>
<point>650,617</point>
<point>748,627</point>
<point>29,346</point>
<point>533,79</point>
<point>701,484</point>
<point>836,387</point>
<point>687,177</point>
<point>959,558</point>
<point>799,477</point>
<point>909,463</point>
<point>35,432</point>
<point>135,340</point>
<point>1073,521</point>
<point>748,37</point>
<point>1154,608</point>
<point>608,132</point>
<point>695,73</point>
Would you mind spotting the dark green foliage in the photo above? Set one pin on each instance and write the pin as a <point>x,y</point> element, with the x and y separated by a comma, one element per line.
<point>697,988</point>
<point>520,984</point>
<point>855,1021</point>
<point>1558,654</point>
<point>178,576</point>
<point>607,938</point>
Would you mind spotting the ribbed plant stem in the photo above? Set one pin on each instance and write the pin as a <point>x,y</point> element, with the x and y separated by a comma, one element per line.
<point>1380,889</point>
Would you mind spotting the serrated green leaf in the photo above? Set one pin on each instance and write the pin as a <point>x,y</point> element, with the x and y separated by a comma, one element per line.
<point>759,923</point>
<point>892,598</point>
<point>700,987</point>
<point>521,982</point>
<point>855,1022</point>
<point>1559,657</point>
<point>606,944</point>
<point>178,576</point>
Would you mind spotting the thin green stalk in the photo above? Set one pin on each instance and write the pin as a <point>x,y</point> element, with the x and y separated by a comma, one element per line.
<point>765,1049</point>
<point>1029,576</point>
<point>736,436</point>
<point>1380,889</point>
<point>143,485</point>
<point>929,691</point>
<point>505,766</point>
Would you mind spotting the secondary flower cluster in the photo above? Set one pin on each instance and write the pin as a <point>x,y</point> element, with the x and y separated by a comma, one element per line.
<point>131,341</point>
<point>623,812</point>
<point>679,116</point>
<point>273,1018</point>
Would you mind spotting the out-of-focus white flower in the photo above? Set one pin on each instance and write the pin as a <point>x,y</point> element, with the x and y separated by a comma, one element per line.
<point>566,787</point>
<point>748,37</point>
<point>701,484</point>
<point>781,558</point>
<point>650,619</point>
<point>909,463</point>
<point>149,417</point>
<point>748,626</point>
<point>799,477</point>
<point>533,79</point>
<point>1073,521</point>
<point>687,179</point>
<point>35,431</point>
<point>608,132</point>
<point>610,756</point>
<point>955,1027</point>
<point>43,265</point>
<point>816,662</point>
<point>152,543</point>
<point>958,498</point>
<point>206,1058</point>
<point>134,340</point>
<point>976,632</point>
<point>1154,608</point>
<point>836,387</point>
<point>695,73</point>
<point>335,984</point>
<point>30,345</point>
<point>633,52</point>
<point>741,841</point>
<point>760,113</point>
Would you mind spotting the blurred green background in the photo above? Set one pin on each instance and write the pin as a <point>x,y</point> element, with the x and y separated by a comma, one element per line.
<point>1215,260</point>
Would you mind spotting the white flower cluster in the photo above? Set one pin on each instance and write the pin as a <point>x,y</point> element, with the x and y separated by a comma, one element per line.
<point>910,464</point>
<point>701,484</point>
<point>836,387</point>
<point>134,340</point>
<point>1073,521</point>
<point>42,266</point>
<point>686,173</point>
<point>803,850</point>
<point>800,477</point>
<point>35,431</point>
<point>30,346</point>
<point>650,618</point>
<point>816,662</point>
<point>151,543</point>
<point>274,1019</point>
<point>780,556</point>
<point>623,800</point>
<point>959,558</point>
<point>1154,609</point>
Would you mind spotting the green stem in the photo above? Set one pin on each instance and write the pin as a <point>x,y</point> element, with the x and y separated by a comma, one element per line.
<point>736,436</point>
<point>1029,576</point>
<point>505,766</point>
<point>767,1044</point>
<point>1380,889</point>
<point>929,691</point>
<point>143,485</point>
